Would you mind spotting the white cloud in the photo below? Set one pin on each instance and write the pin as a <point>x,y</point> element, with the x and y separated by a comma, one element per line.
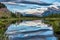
<point>31,11</point>
<point>8,2</point>
<point>56,3</point>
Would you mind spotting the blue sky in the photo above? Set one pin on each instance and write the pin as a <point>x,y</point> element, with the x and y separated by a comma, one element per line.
<point>19,6</point>
<point>48,1</point>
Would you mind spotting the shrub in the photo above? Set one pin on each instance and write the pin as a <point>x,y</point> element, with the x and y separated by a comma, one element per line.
<point>2,5</point>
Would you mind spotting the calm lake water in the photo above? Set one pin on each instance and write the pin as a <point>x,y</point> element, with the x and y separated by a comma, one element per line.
<point>30,30</point>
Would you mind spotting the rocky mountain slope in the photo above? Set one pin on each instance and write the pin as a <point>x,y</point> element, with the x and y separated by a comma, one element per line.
<point>41,11</point>
<point>52,10</point>
<point>4,12</point>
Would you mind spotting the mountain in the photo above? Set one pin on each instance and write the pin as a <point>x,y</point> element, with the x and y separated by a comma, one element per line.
<point>2,6</point>
<point>4,12</point>
<point>52,10</point>
<point>41,11</point>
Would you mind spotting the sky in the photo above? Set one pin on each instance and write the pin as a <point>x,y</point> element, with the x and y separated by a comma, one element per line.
<point>20,6</point>
<point>48,1</point>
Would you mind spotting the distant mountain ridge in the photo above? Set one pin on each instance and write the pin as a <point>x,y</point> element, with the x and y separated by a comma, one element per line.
<point>54,8</point>
<point>41,11</point>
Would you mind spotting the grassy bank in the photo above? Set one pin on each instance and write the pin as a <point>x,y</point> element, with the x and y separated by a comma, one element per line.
<point>4,23</point>
<point>7,18</point>
<point>55,22</point>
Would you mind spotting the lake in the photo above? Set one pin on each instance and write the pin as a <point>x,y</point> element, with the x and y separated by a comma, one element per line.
<point>30,30</point>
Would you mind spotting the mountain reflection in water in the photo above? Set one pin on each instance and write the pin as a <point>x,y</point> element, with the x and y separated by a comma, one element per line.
<point>30,30</point>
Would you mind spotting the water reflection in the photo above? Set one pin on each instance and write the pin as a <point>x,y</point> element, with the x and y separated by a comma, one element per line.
<point>30,30</point>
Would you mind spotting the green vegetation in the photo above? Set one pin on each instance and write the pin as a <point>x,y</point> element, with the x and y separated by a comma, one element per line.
<point>54,20</point>
<point>55,24</point>
<point>2,5</point>
<point>6,18</point>
<point>5,21</point>
<point>56,15</point>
